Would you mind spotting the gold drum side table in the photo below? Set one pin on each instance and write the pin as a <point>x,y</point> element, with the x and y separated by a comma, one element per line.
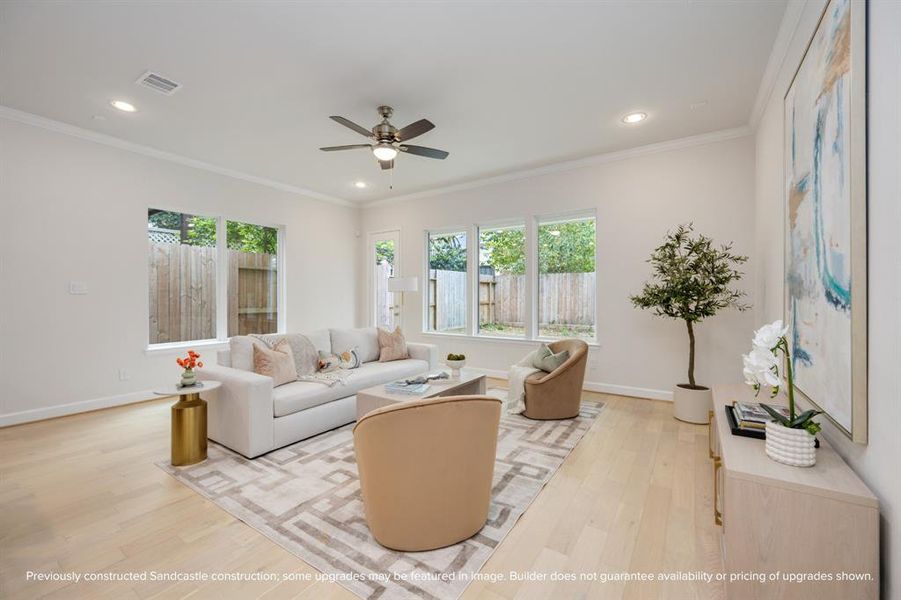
<point>189,437</point>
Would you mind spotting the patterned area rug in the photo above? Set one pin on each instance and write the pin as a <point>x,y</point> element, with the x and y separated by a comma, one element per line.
<point>306,498</point>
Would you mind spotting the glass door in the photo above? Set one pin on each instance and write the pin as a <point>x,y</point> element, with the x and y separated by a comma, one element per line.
<point>384,256</point>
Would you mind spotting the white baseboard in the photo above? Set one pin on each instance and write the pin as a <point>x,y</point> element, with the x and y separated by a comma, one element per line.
<point>61,410</point>
<point>595,386</point>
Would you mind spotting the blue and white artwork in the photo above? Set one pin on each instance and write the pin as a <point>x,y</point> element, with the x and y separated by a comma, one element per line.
<point>819,247</point>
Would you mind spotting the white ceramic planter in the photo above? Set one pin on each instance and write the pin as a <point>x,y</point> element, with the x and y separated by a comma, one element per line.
<point>455,366</point>
<point>692,406</point>
<point>795,447</point>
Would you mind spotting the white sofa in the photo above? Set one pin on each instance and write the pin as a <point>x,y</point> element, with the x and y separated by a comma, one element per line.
<point>249,416</point>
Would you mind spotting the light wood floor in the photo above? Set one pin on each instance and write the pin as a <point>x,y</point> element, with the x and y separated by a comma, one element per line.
<point>81,493</point>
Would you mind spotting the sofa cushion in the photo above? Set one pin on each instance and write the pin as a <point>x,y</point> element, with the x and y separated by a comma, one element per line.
<point>364,339</point>
<point>301,395</point>
<point>321,340</point>
<point>241,350</point>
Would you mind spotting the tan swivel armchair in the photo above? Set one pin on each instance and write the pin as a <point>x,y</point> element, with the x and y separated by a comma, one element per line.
<point>558,394</point>
<point>426,469</point>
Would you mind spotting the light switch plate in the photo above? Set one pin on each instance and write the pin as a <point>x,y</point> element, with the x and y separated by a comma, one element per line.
<point>78,287</point>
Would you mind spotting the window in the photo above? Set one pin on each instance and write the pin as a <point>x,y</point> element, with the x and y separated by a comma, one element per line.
<point>566,278</point>
<point>502,281</point>
<point>535,279</point>
<point>447,281</point>
<point>185,282</point>
<point>252,278</point>
<point>182,277</point>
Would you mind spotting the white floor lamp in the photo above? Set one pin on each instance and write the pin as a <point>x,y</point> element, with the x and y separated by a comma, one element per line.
<point>400,285</point>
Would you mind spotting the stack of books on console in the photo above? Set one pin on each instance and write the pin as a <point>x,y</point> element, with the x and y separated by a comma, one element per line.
<point>402,387</point>
<point>749,419</point>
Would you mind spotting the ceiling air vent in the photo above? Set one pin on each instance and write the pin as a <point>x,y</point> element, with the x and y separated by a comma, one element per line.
<point>158,83</point>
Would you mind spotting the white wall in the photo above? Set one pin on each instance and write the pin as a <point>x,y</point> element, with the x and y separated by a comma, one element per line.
<point>876,462</point>
<point>77,210</point>
<point>637,200</point>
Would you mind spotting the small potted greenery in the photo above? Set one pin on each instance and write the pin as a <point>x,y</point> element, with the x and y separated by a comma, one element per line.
<point>455,362</point>
<point>789,440</point>
<point>692,280</point>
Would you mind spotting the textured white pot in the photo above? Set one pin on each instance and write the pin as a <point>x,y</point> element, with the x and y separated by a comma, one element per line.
<point>692,406</point>
<point>795,447</point>
<point>455,366</point>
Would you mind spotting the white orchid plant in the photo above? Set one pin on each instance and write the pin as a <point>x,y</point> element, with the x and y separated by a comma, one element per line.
<point>761,369</point>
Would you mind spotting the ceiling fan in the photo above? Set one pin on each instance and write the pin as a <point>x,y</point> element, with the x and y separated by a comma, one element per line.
<point>389,140</point>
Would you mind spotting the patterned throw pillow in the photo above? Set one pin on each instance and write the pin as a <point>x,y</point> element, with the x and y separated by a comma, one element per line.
<point>392,345</point>
<point>277,363</point>
<point>350,359</point>
<point>328,362</point>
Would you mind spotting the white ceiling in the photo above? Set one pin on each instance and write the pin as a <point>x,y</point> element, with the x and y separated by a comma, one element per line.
<point>509,85</point>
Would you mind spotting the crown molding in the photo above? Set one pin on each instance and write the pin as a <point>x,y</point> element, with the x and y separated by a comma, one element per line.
<point>598,159</point>
<point>108,140</point>
<point>787,29</point>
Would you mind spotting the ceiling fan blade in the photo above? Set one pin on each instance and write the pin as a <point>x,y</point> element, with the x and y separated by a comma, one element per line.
<point>386,164</point>
<point>351,125</point>
<point>423,151</point>
<point>413,129</point>
<point>350,147</point>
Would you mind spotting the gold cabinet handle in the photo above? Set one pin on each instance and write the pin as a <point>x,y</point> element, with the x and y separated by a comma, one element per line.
<point>717,515</point>
<point>710,436</point>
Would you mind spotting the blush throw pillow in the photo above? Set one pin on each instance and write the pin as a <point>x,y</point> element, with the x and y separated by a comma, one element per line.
<point>305,354</point>
<point>546,360</point>
<point>392,345</point>
<point>277,363</point>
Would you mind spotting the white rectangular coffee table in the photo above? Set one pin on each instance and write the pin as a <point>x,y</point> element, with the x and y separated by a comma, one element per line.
<point>468,383</point>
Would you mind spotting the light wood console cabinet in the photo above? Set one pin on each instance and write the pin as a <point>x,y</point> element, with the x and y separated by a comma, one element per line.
<point>819,522</point>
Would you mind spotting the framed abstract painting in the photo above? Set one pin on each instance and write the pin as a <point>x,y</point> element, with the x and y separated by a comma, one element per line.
<point>826,218</point>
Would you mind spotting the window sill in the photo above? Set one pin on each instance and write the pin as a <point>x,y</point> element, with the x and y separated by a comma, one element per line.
<point>495,339</point>
<point>175,347</point>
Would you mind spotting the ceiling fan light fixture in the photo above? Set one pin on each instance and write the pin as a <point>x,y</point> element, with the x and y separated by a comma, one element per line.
<point>384,151</point>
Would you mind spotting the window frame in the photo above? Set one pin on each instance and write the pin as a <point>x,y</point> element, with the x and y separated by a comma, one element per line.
<point>537,220</point>
<point>221,295</point>
<point>530,223</point>
<point>475,283</point>
<point>426,255</point>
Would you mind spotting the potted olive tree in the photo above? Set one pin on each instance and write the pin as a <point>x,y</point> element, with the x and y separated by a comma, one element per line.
<point>692,280</point>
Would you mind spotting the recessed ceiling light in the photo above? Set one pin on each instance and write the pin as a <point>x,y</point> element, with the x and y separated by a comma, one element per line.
<point>360,184</point>
<point>636,117</point>
<point>124,106</point>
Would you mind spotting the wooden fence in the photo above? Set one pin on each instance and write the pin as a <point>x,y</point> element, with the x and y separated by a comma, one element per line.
<point>447,300</point>
<point>565,298</point>
<point>384,307</point>
<point>183,293</point>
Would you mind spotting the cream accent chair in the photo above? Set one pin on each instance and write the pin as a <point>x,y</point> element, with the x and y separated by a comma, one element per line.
<point>426,469</point>
<point>558,394</point>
